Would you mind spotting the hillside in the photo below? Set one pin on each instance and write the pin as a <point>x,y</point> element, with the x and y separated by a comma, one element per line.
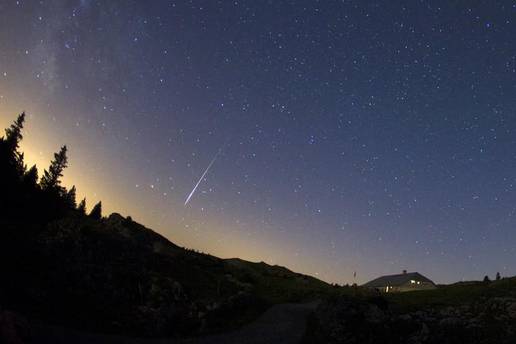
<point>115,275</point>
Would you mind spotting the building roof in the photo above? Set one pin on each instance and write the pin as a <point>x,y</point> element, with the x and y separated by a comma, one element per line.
<point>396,280</point>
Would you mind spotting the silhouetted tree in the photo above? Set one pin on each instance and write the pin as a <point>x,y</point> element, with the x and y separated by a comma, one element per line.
<point>498,277</point>
<point>96,212</point>
<point>486,279</point>
<point>13,134</point>
<point>51,178</point>
<point>31,177</point>
<point>70,198</point>
<point>128,221</point>
<point>9,154</point>
<point>19,164</point>
<point>82,206</point>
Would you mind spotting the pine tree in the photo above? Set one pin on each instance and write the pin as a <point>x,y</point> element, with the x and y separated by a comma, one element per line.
<point>486,279</point>
<point>51,178</point>
<point>81,208</point>
<point>70,198</point>
<point>31,177</point>
<point>498,277</point>
<point>13,134</point>
<point>19,163</point>
<point>96,212</point>
<point>10,144</point>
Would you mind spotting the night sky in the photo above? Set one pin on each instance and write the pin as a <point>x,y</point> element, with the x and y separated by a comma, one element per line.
<point>346,135</point>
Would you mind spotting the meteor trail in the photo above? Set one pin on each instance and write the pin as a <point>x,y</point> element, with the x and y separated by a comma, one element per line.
<point>202,177</point>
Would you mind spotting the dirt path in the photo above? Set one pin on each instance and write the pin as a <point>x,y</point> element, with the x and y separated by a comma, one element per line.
<point>284,323</point>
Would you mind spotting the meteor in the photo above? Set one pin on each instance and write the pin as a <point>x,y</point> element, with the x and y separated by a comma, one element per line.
<point>202,177</point>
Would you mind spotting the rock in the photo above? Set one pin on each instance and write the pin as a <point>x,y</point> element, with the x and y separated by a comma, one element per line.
<point>405,317</point>
<point>473,323</point>
<point>451,322</point>
<point>374,314</point>
<point>421,336</point>
<point>419,314</point>
<point>511,310</point>
<point>425,331</point>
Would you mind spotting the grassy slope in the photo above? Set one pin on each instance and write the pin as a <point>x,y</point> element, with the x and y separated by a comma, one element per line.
<point>277,284</point>
<point>453,295</point>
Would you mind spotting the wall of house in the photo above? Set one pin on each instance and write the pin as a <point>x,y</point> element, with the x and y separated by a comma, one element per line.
<point>407,287</point>
<point>416,286</point>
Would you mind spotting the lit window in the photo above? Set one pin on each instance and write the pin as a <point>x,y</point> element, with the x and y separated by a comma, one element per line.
<point>413,282</point>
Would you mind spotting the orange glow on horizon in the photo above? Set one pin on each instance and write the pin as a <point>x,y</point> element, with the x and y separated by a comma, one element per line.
<point>180,226</point>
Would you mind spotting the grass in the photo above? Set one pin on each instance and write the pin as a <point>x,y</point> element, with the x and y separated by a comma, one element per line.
<point>276,284</point>
<point>452,295</point>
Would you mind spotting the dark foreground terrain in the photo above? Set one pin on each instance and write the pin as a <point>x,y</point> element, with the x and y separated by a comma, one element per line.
<point>282,323</point>
<point>475,312</point>
<point>115,276</point>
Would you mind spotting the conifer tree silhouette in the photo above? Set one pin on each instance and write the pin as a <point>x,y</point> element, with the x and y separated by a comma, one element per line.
<point>50,181</point>
<point>10,156</point>
<point>31,177</point>
<point>70,198</point>
<point>19,164</point>
<point>13,134</point>
<point>96,212</point>
<point>81,208</point>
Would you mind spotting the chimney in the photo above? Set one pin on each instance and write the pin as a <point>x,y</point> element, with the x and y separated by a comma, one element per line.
<point>404,272</point>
